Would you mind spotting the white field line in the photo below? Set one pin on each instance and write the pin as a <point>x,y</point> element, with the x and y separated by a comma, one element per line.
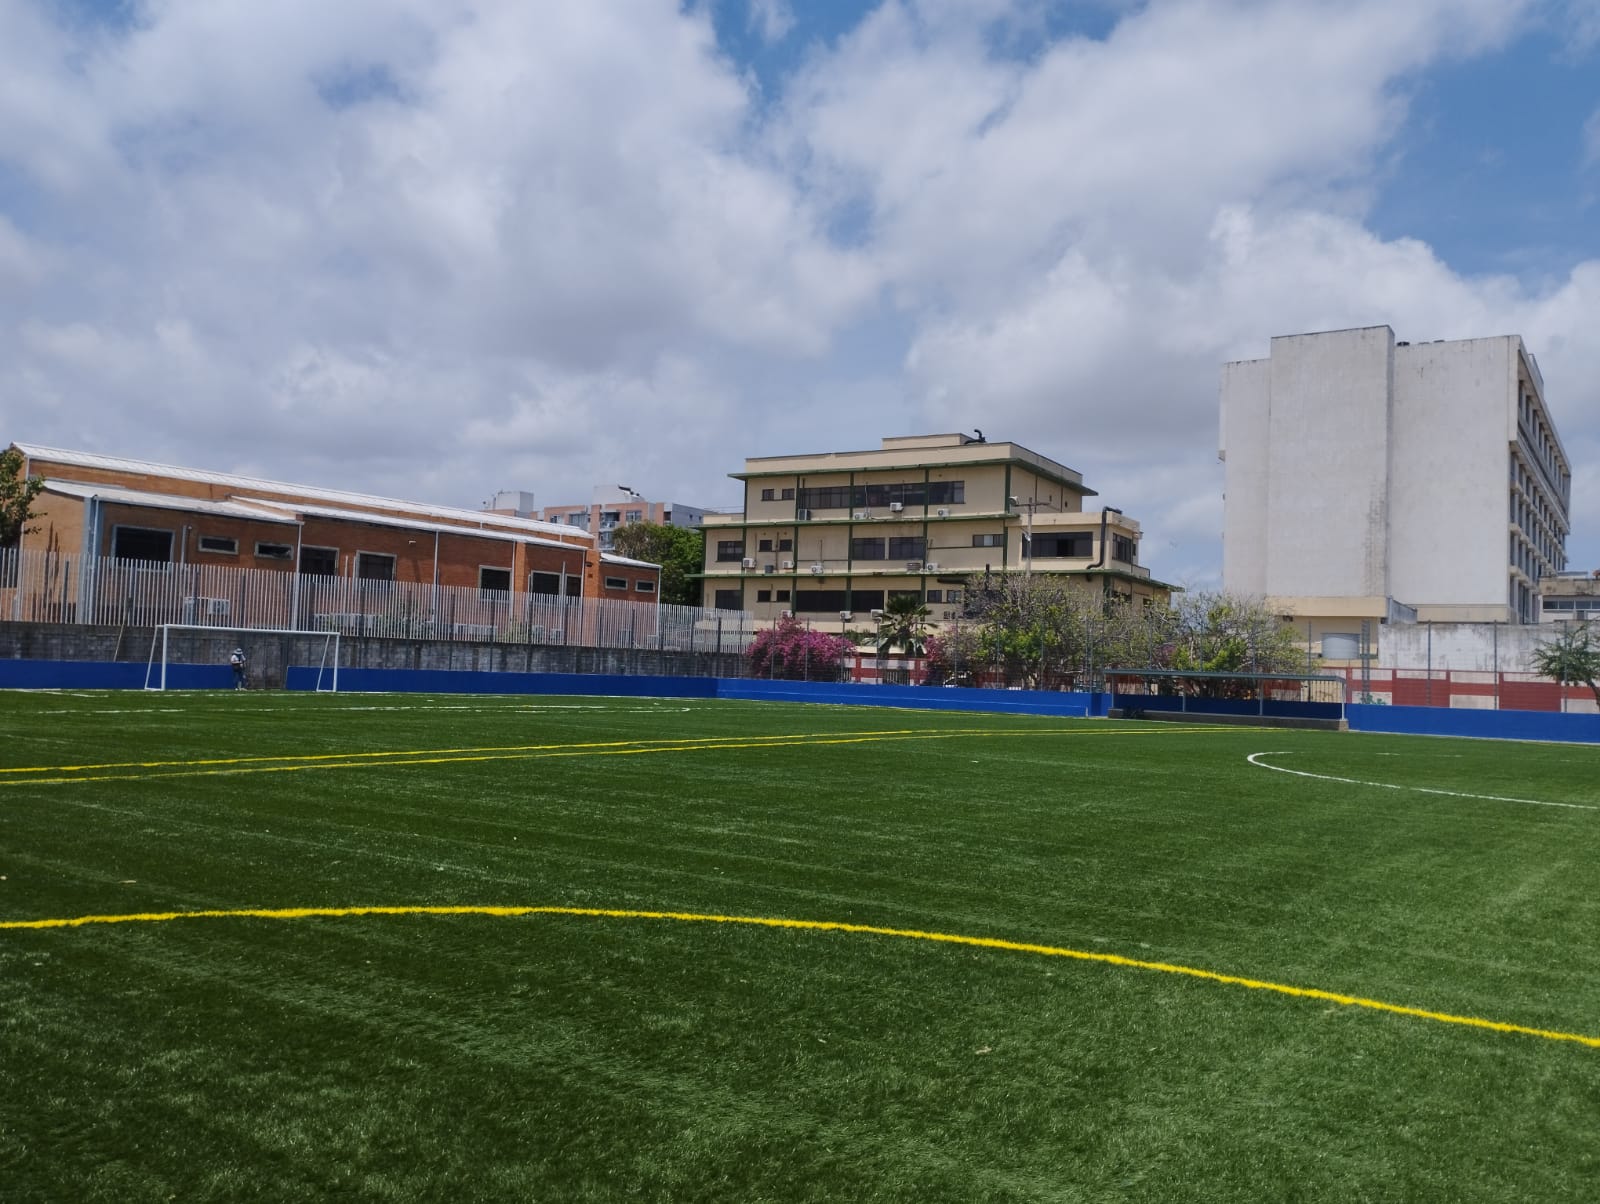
<point>1326,777</point>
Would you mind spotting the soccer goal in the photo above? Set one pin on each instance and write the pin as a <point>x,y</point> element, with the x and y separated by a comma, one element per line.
<point>163,649</point>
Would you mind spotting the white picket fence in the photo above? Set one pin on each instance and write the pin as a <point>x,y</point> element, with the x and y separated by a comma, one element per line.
<point>46,588</point>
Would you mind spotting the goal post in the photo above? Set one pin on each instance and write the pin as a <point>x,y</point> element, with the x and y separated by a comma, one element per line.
<point>162,651</point>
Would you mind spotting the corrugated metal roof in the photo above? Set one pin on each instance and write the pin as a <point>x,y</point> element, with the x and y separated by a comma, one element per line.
<point>415,524</point>
<point>613,558</point>
<point>255,511</point>
<point>60,455</point>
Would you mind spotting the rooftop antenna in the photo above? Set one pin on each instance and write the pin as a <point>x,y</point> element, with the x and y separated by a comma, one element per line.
<point>976,431</point>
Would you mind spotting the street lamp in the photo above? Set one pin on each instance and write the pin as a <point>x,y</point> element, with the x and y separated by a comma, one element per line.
<point>1027,534</point>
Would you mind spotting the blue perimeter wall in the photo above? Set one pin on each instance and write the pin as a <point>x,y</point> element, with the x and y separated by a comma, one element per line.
<point>108,675</point>
<point>1416,721</point>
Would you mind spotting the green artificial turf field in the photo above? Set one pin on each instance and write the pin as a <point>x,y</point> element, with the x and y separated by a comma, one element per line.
<point>561,1054</point>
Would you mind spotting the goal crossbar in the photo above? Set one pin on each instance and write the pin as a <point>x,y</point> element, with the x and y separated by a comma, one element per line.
<point>327,665</point>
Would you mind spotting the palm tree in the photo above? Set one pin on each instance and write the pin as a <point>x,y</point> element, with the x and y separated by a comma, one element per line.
<point>903,624</point>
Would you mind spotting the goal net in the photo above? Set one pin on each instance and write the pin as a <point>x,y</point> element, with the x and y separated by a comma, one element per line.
<point>204,644</point>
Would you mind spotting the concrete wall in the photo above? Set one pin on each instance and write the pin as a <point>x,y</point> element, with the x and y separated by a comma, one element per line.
<point>1450,487</point>
<point>1471,647</point>
<point>1328,462</point>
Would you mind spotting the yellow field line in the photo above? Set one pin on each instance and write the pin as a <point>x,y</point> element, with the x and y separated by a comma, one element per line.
<point>290,763</point>
<point>948,938</point>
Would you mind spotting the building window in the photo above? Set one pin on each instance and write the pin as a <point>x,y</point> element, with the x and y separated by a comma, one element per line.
<point>764,545</point>
<point>644,586</point>
<point>865,497</point>
<point>730,549</point>
<point>616,583</point>
<point>319,562</point>
<point>820,601</point>
<point>768,495</point>
<point>989,541</point>
<point>274,551</point>
<point>935,595</point>
<point>224,545</point>
<point>728,599</point>
<point>633,516</point>
<point>866,549</point>
<point>549,584</point>
<point>952,595</point>
<point>374,566</point>
<point>1124,549</point>
<point>494,581</point>
<point>786,545</point>
<point>1075,545</point>
<point>141,543</point>
<point>787,495</point>
<point>783,595</point>
<point>910,547</point>
<point>763,595</point>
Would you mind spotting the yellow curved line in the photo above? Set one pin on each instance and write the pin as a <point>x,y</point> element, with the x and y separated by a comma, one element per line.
<point>947,938</point>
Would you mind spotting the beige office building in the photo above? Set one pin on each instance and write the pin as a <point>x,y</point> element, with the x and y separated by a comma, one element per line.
<point>834,536</point>
<point>1370,481</point>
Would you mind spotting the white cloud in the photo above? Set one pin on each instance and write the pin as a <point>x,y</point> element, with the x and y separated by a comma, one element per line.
<point>441,248</point>
<point>771,19</point>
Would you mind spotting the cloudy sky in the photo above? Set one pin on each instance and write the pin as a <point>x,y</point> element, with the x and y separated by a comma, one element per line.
<point>436,248</point>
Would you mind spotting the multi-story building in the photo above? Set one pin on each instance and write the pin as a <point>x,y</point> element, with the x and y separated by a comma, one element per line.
<point>1369,480</point>
<point>1570,597</point>
<point>610,507</point>
<point>834,536</point>
<point>98,507</point>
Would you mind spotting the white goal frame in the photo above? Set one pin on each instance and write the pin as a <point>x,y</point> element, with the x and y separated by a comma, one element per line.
<point>159,637</point>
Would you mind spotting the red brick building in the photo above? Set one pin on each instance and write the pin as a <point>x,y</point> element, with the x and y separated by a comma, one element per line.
<point>107,507</point>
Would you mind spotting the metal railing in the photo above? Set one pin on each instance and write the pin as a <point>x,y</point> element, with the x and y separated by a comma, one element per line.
<point>42,587</point>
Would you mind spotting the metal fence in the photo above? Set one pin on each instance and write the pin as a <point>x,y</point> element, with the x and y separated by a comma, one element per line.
<point>45,588</point>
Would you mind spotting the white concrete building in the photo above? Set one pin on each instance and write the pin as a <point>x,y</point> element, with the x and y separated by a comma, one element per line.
<point>1370,480</point>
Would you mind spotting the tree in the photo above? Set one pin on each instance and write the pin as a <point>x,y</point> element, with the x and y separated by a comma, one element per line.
<point>1034,628</point>
<point>792,651</point>
<point>903,624</point>
<point>1225,633</point>
<point>679,551</point>
<point>1571,658</point>
<point>16,498</point>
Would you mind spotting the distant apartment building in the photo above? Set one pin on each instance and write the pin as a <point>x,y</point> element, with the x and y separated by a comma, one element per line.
<point>834,536</point>
<point>99,507</point>
<point>1369,480</point>
<point>606,510</point>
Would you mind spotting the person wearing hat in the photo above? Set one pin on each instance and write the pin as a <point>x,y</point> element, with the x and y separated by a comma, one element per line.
<point>239,661</point>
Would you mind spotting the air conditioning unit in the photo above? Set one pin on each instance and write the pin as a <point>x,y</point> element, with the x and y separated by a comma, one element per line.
<point>943,511</point>
<point>218,608</point>
<point>862,514</point>
<point>877,613</point>
<point>816,570</point>
<point>748,562</point>
<point>788,564</point>
<point>913,566</point>
<point>786,614</point>
<point>846,615</point>
<point>769,568</point>
<point>931,566</point>
<point>896,507</point>
<point>802,515</point>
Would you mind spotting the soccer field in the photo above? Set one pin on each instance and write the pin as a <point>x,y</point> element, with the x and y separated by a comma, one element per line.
<point>269,946</point>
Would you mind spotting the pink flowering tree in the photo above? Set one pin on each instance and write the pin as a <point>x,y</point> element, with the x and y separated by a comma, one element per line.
<point>792,651</point>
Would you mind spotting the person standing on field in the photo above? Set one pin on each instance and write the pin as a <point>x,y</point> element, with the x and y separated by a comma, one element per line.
<point>240,662</point>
